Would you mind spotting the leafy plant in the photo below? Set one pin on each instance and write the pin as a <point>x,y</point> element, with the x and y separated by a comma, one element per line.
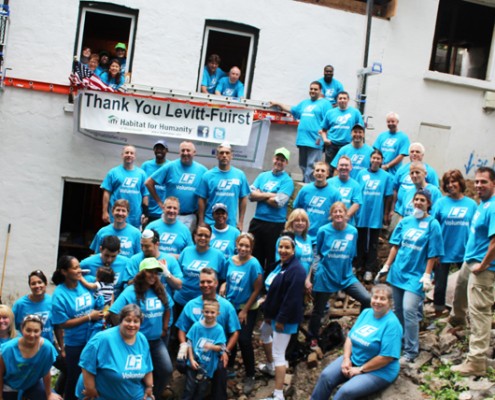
<point>452,383</point>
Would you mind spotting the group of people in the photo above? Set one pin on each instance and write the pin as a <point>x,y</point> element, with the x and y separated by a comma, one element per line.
<point>216,81</point>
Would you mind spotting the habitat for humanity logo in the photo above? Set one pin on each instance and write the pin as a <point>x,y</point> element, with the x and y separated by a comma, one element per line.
<point>113,120</point>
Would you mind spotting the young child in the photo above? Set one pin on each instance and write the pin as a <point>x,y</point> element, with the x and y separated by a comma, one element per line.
<point>206,340</point>
<point>104,285</point>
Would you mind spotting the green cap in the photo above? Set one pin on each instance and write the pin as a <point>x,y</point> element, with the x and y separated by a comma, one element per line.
<point>283,151</point>
<point>120,45</point>
<point>150,263</point>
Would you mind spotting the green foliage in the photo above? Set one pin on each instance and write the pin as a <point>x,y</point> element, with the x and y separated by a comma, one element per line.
<point>451,383</point>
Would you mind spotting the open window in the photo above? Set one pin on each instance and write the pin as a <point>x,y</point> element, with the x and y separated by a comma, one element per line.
<point>463,42</point>
<point>102,26</point>
<point>236,44</point>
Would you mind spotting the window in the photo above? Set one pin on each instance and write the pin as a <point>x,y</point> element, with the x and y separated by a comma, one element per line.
<point>102,26</point>
<point>463,39</point>
<point>236,44</point>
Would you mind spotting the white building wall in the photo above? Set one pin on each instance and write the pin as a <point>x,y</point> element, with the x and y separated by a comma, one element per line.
<point>296,40</point>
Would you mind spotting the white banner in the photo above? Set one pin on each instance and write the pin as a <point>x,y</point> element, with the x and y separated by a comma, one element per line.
<point>118,113</point>
<point>251,155</point>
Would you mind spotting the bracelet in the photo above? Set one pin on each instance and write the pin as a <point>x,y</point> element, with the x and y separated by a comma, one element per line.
<point>89,318</point>
<point>150,387</point>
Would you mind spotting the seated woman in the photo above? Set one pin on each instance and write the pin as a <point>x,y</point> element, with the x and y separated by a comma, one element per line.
<point>113,77</point>
<point>371,353</point>
<point>25,364</point>
<point>116,363</point>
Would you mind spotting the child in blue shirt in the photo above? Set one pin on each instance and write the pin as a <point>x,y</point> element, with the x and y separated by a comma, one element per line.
<point>206,340</point>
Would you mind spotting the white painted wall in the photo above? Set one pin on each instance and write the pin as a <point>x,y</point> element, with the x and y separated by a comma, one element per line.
<point>296,40</point>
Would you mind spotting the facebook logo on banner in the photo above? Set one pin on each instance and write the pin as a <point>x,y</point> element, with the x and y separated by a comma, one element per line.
<point>83,301</point>
<point>187,179</point>
<point>153,303</point>
<point>372,184</point>
<point>413,234</point>
<point>168,238</point>
<point>134,362</point>
<point>317,201</point>
<point>203,131</point>
<point>339,245</point>
<point>458,212</point>
<point>130,182</point>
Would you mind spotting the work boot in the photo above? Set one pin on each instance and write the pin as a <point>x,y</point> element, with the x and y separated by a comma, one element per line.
<point>469,368</point>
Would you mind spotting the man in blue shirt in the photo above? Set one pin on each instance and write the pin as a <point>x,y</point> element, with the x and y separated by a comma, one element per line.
<point>223,235</point>
<point>211,74</point>
<point>478,275</point>
<point>393,144</point>
<point>223,184</point>
<point>180,178</point>
<point>310,113</point>
<point>271,190</point>
<point>337,125</point>
<point>230,85</point>
<point>331,87</point>
<point>160,148</point>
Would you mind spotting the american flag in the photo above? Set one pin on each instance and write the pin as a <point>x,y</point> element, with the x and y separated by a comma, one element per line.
<point>83,78</point>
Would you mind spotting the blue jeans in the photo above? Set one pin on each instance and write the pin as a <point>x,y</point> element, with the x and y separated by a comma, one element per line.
<point>307,158</point>
<point>35,392</point>
<point>409,309</point>
<point>320,299</point>
<point>72,355</point>
<point>162,365</point>
<point>193,389</point>
<point>357,387</point>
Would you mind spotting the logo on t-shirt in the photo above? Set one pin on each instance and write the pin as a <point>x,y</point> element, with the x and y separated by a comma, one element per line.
<point>197,265</point>
<point>43,315</point>
<point>269,186</point>
<point>83,301</point>
<point>125,243</point>
<point>341,120</point>
<point>187,179</point>
<point>317,201</point>
<point>458,212</point>
<point>226,184</point>
<point>366,330</point>
<point>130,182</point>
<point>134,362</point>
<point>413,234</point>
<point>168,238</point>
<point>357,159</point>
<point>372,184</point>
<point>236,277</point>
<point>339,245</point>
<point>153,303</point>
<point>389,142</point>
<point>221,244</point>
<point>344,192</point>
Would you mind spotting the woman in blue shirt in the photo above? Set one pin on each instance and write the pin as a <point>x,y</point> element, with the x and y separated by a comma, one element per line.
<point>7,324</point>
<point>454,212</point>
<point>25,364</point>
<point>72,315</point>
<point>116,363</point>
<point>113,77</point>
<point>371,352</point>
<point>416,245</point>
<point>242,287</point>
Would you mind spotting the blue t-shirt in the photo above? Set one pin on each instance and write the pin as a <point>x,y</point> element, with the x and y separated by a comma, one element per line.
<point>173,237</point>
<point>129,236</point>
<point>418,240</point>
<point>68,304</point>
<point>224,240</point>
<point>360,158</point>
<point>337,248</point>
<point>119,266</point>
<point>193,312</point>
<point>339,124</point>
<point>150,167</point>
<point>375,186</point>
<point>304,253</point>
<point>108,80</point>
<point>402,179</point>
<point>350,191</point>
<point>128,185</point>
<point>119,368</point>
<point>317,202</point>
<point>211,80</point>
<point>181,181</point>
<point>22,373</point>
<point>454,216</point>
<point>227,187</point>
<point>152,307</point>
<point>331,90</point>
<point>405,199</point>
<point>226,88</point>
<point>268,182</point>
<point>240,281</point>
<point>391,145</point>
<point>24,306</point>
<point>198,336</point>
<point>481,232</point>
<point>310,114</point>
<point>192,262</point>
<point>371,337</point>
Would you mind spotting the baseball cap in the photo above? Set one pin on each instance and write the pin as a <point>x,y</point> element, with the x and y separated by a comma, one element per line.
<point>163,142</point>
<point>219,206</point>
<point>358,126</point>
<point>283,151</point>
<point>150,263</point>
<point>120,45</point>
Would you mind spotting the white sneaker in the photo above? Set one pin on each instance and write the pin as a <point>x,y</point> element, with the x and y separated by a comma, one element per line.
<point>266,369</point>
<point>368,276</point>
